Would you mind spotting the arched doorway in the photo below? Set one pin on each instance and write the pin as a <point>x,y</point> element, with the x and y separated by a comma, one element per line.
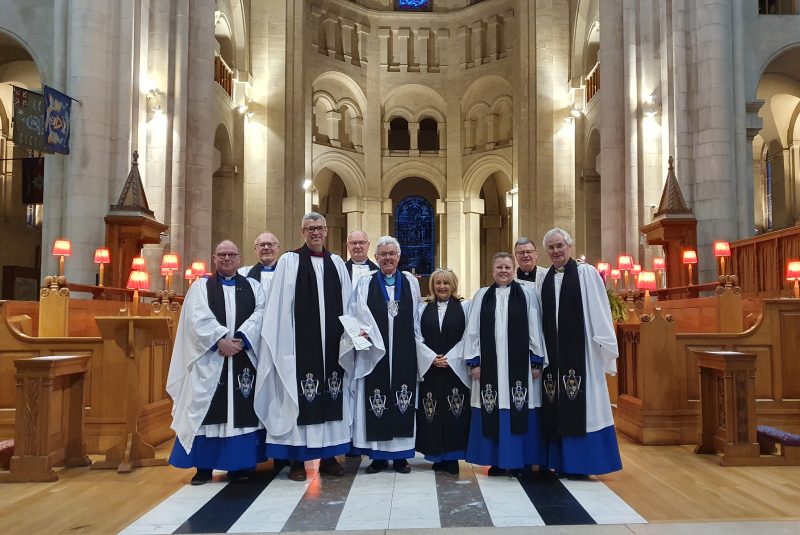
<point>413,223</point>
<point>776,148</point>
<point>227,193</point>
<point>21,182</point>
<point>327,195</point>
<point>495,225</point>
<point>587,216</point>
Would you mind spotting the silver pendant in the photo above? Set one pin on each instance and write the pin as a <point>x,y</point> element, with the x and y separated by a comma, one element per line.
<point>392,305</point>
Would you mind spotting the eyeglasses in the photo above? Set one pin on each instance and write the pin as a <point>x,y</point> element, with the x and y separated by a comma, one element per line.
<point>357,243</point>
<point>312,230</point>
<point>223,256</point>
<point>525,253</point>
<point>267,245</point>
<point>389,254</point>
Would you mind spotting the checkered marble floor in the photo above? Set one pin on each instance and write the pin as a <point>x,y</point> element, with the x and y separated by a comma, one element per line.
<point>358,501</point>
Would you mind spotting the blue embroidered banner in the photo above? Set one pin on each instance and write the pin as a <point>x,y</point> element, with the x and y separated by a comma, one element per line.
<point>56,120</point>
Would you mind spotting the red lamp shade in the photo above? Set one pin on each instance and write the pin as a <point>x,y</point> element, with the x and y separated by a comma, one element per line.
<point>690,257</point>
<point>138,280</point>
<point>646,280</point>
<point>188,275</point>
<point>722,248</point>
<point>637,268</point>
<point>615,275</point>
<point>101,256</point>
<point>603,268</point>
<point>137,264</point>
<point>793,270</point>
<point>170,262</point>
<point>198,269</point>
<point>62,248</point>
<point>625,263</point>
<point>659,263</point>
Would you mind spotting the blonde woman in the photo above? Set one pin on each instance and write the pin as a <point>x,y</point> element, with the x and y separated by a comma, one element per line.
<point>443,412</point>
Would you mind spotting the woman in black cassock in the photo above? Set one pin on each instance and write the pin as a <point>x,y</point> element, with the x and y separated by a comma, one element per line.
<point>443,411</point>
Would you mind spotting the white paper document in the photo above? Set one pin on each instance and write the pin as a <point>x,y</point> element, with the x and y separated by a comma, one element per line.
<point>353,327</point>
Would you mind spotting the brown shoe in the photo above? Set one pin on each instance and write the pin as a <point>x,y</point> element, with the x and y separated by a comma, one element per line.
<point>331,467</point>
<point>298,471</point>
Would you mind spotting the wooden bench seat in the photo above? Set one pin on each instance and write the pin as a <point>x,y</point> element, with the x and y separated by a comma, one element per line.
<point>768,437</point>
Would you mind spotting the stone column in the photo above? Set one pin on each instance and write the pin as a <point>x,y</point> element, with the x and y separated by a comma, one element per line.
<point>464,38</point>
<point>478,34</point>
<point>332,38</point>
<point>333,117</point>
<point>385,61</point>
<point>353,207</point>
<point>318,40</point>
<point>413,132</point>
<point>363,36</point>
<point>469,136</point>
<point>346,28</point>
<point>401,52</point>
<point>612,130</point>
<point>491,135</point>
<point>441,52</point>
<point>385,140</point>
<point>441,131</point>
<point>421,49</point>
<point>473,209</point>
<point>715,197</point>
<point>357,127</point>
<point>492,34</point>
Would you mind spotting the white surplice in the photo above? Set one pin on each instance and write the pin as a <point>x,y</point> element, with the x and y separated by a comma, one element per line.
<point>601,344</point>
<point>195,368</point>
<point>276,401</point>
<point>266,277</point>
<point>454,360</point>
<point>472,343</point>
<point>369,358</point>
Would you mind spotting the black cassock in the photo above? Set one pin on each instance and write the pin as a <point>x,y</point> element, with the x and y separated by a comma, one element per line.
<point>443,409</point>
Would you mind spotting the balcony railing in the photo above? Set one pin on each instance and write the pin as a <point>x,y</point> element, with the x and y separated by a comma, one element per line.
<point>223,75</point>
<point>592,83</point>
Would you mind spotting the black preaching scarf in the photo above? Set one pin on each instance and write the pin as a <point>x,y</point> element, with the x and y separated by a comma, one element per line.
<point>529,277</point>
<point>349,265</point>
<point>393,391</point>
<point>319,384</point>
<point>518,362</point>
<point>563,388</point>
<point>443,413</point>
<point>244,373</point>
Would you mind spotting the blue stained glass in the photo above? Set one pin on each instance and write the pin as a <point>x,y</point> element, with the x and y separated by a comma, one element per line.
<point>413,4</point>
<point>414,229</point>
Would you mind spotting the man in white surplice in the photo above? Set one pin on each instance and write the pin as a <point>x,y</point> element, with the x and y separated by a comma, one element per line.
<point>387,373</point>
<point>268,249</point>
<point>212,373</point>
<point>301,393</point>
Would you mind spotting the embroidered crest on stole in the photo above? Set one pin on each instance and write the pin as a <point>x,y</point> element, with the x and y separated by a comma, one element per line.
<point>519,394</point>
<point>377,403</point>
<point>334,385</point>
<point>572,384</point>
<point>489,398</point>
<point>245,380</point>
<point>310,387</point>
<point>429,406</point>
<point>456,402</point>
<point>550,387</point>
<point>403,399</point>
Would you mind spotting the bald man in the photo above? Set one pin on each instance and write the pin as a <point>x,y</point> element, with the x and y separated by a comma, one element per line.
<point>268,248</point>
<point>358,248</point>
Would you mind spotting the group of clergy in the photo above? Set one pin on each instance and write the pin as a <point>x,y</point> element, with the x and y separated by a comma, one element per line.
<point>262,366</point>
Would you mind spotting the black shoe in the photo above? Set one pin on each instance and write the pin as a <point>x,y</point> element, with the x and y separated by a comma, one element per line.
<point>240,475</point>
<point>496,471</point>
<point>376,466</point>
<point>202,476</point>
<point>401,466</point>
<point>298,471</point>
<point>451,467</point>
<point>436,467</point>
<point>331,467</point>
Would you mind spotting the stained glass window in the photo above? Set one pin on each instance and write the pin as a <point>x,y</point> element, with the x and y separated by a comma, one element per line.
<point>414,229</point>
<point>413,5</point>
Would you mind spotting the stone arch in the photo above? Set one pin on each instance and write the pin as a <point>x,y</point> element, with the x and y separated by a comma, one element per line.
<point>481,169</point>
<point>415,168</point>
<point>399,111</point>
<point>792,49</point>
<point>328,80</point>
<point>224,37</point>
<point>429,112</point>
<point>346,167</point>
<point>584,29</point>
<point>413,96</point>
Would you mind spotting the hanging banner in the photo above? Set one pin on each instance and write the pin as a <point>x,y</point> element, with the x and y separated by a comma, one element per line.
<point>56,120</point>
<point>28,120</point>
<point>33,180</point>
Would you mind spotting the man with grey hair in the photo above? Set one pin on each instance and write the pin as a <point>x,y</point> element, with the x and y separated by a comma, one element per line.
<point>577,424</point>
<point>526,255</point>
<point>268,249</point>
<point>387,303</point>
<point>212,371</point>
<point>302,395</point>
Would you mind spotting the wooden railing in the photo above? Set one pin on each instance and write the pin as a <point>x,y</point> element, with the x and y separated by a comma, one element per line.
<point>760,262</point>
<point>223,75</point>
<point>592,83</point>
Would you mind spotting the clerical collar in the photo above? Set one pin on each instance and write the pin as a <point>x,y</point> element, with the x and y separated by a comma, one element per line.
<point>359,263</point>
<point>320,254</point>
<point>560,270</point>
<point>267,268</point>
<point>226,281</point>
<point>390,280</point>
